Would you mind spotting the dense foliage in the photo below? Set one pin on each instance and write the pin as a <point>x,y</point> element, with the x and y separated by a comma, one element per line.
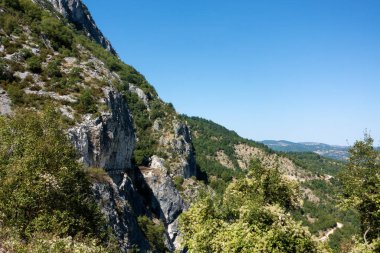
<point>208,139</point>
<point>315,163</point>
<point>153,232</point>
<point>361,187</point>
<point>24,22</point>
<point>319,210</point>
<point>43,189</point>
<point>250,217</point>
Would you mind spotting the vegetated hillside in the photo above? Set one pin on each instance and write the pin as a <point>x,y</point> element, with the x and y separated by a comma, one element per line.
<point>325,150</point>
<point>222,155</point>
<point>136,153</point>
<point>112,116</point>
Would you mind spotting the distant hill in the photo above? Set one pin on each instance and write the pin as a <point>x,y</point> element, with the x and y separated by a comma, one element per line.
<point>330,151</point>
<point>223,157</point>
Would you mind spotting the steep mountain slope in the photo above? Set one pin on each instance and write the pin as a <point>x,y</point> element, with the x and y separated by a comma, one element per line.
<point>325,150</point>
<point>138,152</point>
<point>77,13</point>
<point>222,155</point>
<point>113,117</point>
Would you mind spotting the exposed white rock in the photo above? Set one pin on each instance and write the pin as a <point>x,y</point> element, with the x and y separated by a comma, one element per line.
<point>70,60</point>
<point>77,12</point>
<point>140,93</point>
<point>157,163</point>
<point>67,111</point>
<point>168,198</point>
<point>182,146</point>
<point>108,140</point>
<point>53,95</point>
<point>157,125</point>
<point>117,204</point>
<point>21,75</point>
<point>5,103</point>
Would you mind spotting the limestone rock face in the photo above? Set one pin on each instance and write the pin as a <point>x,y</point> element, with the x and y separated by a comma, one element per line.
<point>4,103</point>
<point>77,12</point>
<point>117,203</point>
<point>182,145</point>
<point>108,140</point>
<point>167,199</point>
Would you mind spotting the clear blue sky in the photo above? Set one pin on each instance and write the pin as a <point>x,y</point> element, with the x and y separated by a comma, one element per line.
<point>300,70</point>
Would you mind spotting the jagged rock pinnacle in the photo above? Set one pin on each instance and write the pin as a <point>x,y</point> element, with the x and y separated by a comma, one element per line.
<point>77,12</point>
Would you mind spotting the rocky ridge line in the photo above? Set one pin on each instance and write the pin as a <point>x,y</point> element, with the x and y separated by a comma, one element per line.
<point>77,13</point>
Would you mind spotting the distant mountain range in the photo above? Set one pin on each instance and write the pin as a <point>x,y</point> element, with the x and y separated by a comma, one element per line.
<point>330,151</point>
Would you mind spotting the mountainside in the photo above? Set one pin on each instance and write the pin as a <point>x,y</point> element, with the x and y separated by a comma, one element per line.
<point>113,116</point>
<point>68,103</point>
<point>224,156</point>
<point>77,13</point>
<point>329,151</point>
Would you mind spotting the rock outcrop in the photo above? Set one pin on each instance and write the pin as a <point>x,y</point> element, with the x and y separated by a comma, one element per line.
<point>5,102</point>
<point>77,12</point>
<point>168,201</point>
<point>115,203</point>
<point>108,140</point>
<point>182,145</point>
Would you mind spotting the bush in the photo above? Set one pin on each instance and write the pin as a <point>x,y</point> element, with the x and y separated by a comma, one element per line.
<point>16,94</point>
<point>44,189</point>
<point>5,74</point>
<point>8,23</point>
<point>245,220</point>
<point>87,103</point>
<point>178,181</point>
<point>53,69</point>
<point>98,175</point>
<point>26,53</point>
<point>34,64</point>
<point>58,33</point>
<point>153,232</point>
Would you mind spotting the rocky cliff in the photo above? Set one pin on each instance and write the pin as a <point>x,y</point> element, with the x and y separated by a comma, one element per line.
<point>138,151</point>
<point>77,12</point>
<point>106,141</point>
<point>115,119</point>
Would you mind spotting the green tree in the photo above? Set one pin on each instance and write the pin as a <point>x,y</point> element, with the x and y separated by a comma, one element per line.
<point>43,188</point>
<point>249,217</point>
<point>34,64</point>
<point>153,232</point>
<point>361,186</point>
<point>87,102</point>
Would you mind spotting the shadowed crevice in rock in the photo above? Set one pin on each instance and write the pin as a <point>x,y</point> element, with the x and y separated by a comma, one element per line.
<point>121,204</point>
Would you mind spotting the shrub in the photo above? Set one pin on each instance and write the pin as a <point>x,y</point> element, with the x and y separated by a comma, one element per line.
<point>178,181</point>
<point>43,187</point>
<point>15,4</point>
<point>26,53</point>
<point>16,94</point>
<point>5,74</point>
<point>34,64</point>
<point>153,232</point>
<point>8,23</point>
<point>53,69</point>
<point>97,175</point>
<point>58,33</point>
<point>244,220</point>
<point>87,103</point>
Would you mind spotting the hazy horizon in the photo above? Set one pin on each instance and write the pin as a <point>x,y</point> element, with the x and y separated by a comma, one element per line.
<point>303,71</point>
